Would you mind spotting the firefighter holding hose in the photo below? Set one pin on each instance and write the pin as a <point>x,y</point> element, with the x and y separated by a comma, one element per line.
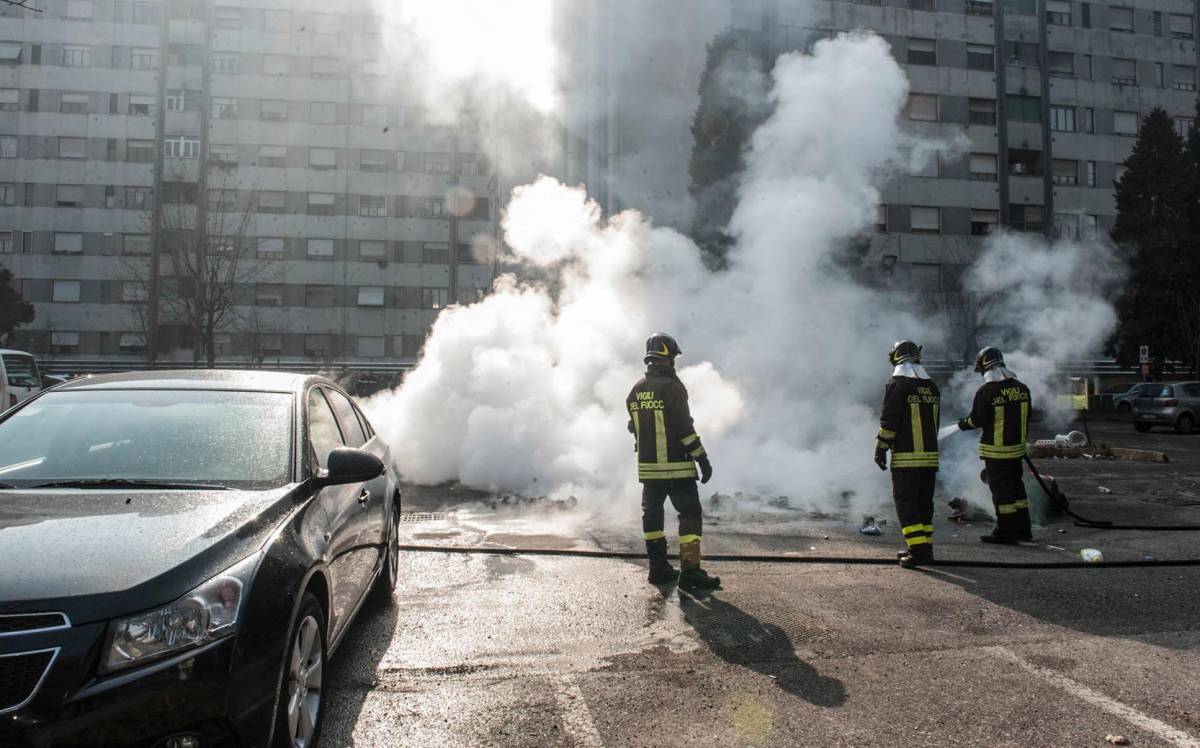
<point>669,451</point>
<point>1001,413</point>
<point>908,428</point>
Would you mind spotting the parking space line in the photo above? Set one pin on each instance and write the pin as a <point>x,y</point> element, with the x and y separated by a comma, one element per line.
<point>576,716</point>
<point>1095,698</point>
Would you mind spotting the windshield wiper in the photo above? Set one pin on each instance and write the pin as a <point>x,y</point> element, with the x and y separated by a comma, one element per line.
<point>131,483</point>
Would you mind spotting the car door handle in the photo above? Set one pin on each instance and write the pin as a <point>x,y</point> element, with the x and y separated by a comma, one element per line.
<point>364,497</point>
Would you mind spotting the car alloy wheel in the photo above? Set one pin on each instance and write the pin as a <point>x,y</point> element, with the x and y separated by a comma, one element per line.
<point>1184,424</point>
<point>385,584</point>
<point>304,682</point>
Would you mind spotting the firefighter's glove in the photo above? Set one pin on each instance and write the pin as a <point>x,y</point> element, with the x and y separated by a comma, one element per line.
<point>881,458</point>
<point>705,468</point>
<point>965,425</point>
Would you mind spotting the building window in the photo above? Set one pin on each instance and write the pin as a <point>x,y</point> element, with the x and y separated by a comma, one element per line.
<point>1066,226</point>
<point>983,167</point>
<point>143,58</point>
<point>181,147</point>
<point>1125,123</point>
<point>320,296</point>
<point>981,111</point>
<point>1183,77</point>
<point>370,346</point>
<point>273,109</point>
<point>176,101</point>
<point>325,67</point>
<point>270,247</point>
<point>1181,26</point>
<point>433,298</point>
<point>374,116</point>
<point>925,220</point>
<point>980,8</point>
<point>1024,162</point>
<point>435,253</point>
<point>434,207</point>
<point>920,5</point>
<point>134,292</point>
<point>135,244</point>
<point>373,206</point>
<point>145,13</point>
<point>272,202</point>
<point>321,248</point>
<point>1023,108</point>
<point>1027,217</point>
<point>1120,19</point>
<point>268,344</point>
<point>1090,173</point>
<point>372,249</point>
<point>65,291</point>
<point>1066,172</point>
<point>922,52</point>
<point>984,222</point>
<point>322,158</point>
<point>227,18</point>
<point>1089,226</point>
<point>923,107</point>
<point>222,154</point>
<point>1021,7</point>
<point>1158,27</point>
<point>141,105</point>
<point>77,57</point>
<point>1089,120</point>
<point>437,163</point>
<point>1124,71</point>
<point>132,342</point>
<point>68,243</point>
<point>274,156</point>
<point>222,200</point>
<point>72,148</point>
<point>1062,118</point>
<point>1022,54</point>
<point>64,342</point>
<point>8,146</point>
<point>1058,12</point>
<point>268,294</point>
<point>74,103</point>
<point>320,204</point>
<point>6,242</point>
<point>1184,125</point>
<point>981,57</point>
<point>1160,78</point>
<point>277,21</point>
<point>8,193</point>
<point>370,160</point>
<point>322,113</point>
<point>370,295</point>
<point>224,108</point>
<point>139,198</point>
<point>69,196</point>
<point>1061,64</point>
<point>10,99</point>
<point>275,65</point>
<point>226,64</point>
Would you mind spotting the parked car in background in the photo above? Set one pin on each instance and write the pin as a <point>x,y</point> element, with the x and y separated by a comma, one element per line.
<point>19,378</point>
<point>53,380</point>
<point>180,555</point>
<point>1123,401</point>
<point>1175,404</point>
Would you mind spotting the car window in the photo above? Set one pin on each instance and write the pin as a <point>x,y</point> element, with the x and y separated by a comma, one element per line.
<point>237,439</point>
<point>1191,390</point>
<point>1160,391</point>
<point>323,433</point>
<point>366,425</point>
<point>21,370</point>
<point>345,414</point>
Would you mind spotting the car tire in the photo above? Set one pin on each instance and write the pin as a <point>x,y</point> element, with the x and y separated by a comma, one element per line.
<point>389,575</point>
<point>1142,428</point>
<point>1124,408</point>
<point>1184,424</point>
<point>301,706</point>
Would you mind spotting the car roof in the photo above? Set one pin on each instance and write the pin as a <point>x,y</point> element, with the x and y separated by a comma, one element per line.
<point>11,350</point>
<point>1177,382</point>
<point>196,379</point>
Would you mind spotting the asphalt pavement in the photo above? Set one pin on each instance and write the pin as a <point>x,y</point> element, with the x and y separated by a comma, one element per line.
<point>527,650</point>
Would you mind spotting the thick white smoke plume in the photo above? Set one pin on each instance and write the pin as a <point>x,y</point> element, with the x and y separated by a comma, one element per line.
<point>784,355</point>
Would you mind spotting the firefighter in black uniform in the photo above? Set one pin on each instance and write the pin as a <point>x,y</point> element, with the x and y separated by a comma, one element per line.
<point>668,450</point>
<point>1001,412</point>
<point>908,428</point>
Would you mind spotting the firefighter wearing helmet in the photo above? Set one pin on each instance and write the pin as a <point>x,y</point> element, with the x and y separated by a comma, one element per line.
<point>908,428</point>
<point>1001,413</point>
<point>668,451</point>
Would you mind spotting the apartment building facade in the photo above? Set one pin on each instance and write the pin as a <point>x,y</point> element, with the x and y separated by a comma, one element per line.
<point>280,134</point>
<point>1049,94</point>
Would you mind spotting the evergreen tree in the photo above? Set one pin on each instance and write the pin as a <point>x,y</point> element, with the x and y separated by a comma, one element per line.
<point>1155,228</point>
<point>732,105</point>
<point>14,311</point>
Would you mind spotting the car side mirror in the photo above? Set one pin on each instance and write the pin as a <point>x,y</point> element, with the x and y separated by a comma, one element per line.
<point>350,465</point>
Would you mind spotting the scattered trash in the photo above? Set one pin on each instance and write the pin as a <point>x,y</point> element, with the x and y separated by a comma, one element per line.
<point>1074,439</point>
<point>869,527</point>
<point>1117,739</point>
<point>1091,556</point>
<point>1055,548</point>
<point>1062,532</point>
<point>1105,489</point>
<point>963,511</point>
<point>824,537</point>
<point>812,548</point>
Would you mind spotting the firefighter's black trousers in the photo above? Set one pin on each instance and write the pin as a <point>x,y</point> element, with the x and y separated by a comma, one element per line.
<point>912,489</point>
<point>686,499</point>
<point>1005,479</point>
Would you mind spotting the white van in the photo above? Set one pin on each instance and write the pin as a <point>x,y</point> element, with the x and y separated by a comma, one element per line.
<point>19,378</point>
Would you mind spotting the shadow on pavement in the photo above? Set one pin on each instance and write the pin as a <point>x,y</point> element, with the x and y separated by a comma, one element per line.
<point>741,639</point>
<point>354,668</point>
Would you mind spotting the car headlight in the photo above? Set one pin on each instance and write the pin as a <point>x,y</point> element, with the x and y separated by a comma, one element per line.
<point>205,614</point>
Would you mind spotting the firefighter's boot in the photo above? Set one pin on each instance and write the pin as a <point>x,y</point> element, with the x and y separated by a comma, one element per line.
<point>918,555</point>
<point>691,576</point>
<point>1023,523</point>
<point>661,571</point>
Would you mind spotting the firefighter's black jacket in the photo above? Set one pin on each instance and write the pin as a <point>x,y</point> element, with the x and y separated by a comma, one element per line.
<point>662,426</point>
<point>1001,412</point>
<point>909,424</point>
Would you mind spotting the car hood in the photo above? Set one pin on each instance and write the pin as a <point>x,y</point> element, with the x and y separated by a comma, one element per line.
<point>92,552</point>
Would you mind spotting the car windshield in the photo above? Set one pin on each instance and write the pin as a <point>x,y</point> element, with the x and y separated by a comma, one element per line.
<point>234,439</point>
<point>22,371</point>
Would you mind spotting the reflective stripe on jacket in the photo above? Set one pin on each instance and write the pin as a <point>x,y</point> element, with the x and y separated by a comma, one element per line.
<point>1001,412</point>
<point>665,437</point>
<point>909,423</point>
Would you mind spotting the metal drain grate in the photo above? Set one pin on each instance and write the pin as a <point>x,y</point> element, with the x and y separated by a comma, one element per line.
<point>423,516</point>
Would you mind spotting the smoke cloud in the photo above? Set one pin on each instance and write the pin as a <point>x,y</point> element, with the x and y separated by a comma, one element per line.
<point>784,354</point>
